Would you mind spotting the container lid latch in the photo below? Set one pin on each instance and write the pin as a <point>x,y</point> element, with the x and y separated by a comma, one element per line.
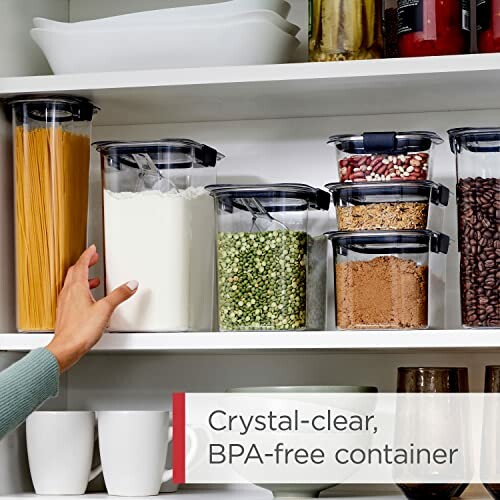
<point>440,243</point>
<point>380,142</point>
<point>323,199</point>
<point>440,195</point>
<point>209,156</point>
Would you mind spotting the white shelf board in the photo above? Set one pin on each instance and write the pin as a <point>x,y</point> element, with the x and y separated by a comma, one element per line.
<point>474,492</point>
<point>463,82</point>
<point>274,341</point>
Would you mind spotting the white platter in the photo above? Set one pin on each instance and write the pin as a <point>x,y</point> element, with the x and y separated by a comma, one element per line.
<point>249,42</point>
<point>163,17</point>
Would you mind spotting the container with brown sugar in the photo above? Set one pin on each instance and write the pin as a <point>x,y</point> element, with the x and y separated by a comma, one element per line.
<point>382,278</point>
<point>387,205</point>
<point>385,156</point>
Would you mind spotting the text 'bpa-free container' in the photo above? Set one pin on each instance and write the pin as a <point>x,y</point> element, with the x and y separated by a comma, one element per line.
<point>271,271</point>
<point>159,227</point>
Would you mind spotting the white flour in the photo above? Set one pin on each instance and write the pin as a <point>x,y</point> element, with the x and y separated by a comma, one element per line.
<point>166,242</point>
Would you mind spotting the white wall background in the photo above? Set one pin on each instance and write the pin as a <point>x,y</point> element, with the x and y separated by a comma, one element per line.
<point>19,55</point>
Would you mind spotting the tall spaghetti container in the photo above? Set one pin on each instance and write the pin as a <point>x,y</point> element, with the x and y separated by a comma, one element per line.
<point>51,138</point>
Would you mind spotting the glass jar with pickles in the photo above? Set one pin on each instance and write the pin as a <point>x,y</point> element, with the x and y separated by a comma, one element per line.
<point>343,30</point>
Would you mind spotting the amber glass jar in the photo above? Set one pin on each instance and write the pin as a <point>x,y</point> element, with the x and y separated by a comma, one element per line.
<point>431,28</point>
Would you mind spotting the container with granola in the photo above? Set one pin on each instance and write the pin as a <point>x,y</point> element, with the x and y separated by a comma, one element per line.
<point>387,205</point>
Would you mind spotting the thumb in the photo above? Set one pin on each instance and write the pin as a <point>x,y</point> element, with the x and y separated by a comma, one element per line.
<point>121,294</point>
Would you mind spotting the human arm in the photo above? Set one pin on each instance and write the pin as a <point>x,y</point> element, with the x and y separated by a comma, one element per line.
<point>25,385</point>
<point>80,323</point>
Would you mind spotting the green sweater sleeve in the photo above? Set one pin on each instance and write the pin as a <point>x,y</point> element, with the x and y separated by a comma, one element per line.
<point>24,386</point>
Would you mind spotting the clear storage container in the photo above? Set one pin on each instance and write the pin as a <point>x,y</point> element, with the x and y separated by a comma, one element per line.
<point>271,271</point>
<point>51,138</point>
<point>382,278</point>
<point>477,153</point>
<point>159,227</point>
<point>386,205</point>
<point>385,156</point>
<point>340,31</point>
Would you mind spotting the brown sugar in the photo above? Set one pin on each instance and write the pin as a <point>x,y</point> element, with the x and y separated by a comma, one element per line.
<point>385,292</point>
<point>401,215</point>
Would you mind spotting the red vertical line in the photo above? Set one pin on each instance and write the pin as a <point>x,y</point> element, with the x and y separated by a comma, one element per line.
<point>179,437</point>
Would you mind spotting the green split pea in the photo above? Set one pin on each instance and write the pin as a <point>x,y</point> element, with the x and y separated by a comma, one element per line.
<point>262,280</point>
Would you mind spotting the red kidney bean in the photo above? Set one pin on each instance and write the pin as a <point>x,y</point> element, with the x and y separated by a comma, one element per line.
<point>413,166</point>
<point>357,175</point>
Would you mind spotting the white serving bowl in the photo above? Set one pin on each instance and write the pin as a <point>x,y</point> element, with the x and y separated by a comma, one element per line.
<point>217,44</point>
<point>164,17</point>
<point>255,15</point>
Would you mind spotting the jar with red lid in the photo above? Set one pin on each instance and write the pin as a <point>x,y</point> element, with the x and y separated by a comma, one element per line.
<point>431,28</point>
<point>488,25</point>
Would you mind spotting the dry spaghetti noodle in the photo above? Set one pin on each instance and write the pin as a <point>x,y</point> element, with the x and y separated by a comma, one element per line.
<point>51,192</point>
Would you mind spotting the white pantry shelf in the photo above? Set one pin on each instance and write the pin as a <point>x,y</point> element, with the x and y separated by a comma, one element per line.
<point>475,492</point>
<point>464,82</point>
<point>275,341</point>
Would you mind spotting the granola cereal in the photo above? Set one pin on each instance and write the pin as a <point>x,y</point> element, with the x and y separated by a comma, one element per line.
<point>400,215</point>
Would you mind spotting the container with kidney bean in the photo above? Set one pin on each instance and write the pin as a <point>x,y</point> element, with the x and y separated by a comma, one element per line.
<point>384,156</point>
<point>478,202</point>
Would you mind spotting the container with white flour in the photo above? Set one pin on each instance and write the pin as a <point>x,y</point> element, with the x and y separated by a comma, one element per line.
<point>159,229</point>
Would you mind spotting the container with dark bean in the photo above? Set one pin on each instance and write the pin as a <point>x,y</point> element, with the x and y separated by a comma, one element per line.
<point>479,233</point>
<point>384,156</point>
<point>478,201</point>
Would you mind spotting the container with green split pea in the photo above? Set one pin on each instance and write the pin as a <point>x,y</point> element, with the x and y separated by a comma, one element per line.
<point>266,258</point>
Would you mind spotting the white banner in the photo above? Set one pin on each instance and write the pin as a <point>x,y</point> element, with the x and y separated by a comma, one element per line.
<point>337,438</point>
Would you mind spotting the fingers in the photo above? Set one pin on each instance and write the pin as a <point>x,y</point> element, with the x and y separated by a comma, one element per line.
<point>80,271</point>
<point>94,283</point>
<point>94,260</point>
<point>120,294</point>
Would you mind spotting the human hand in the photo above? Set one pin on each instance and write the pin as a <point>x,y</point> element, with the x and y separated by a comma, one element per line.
<point>80,319</point>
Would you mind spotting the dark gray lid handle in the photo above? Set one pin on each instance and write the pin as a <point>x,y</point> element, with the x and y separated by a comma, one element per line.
<point>379,142</point>
<point>440,243</point>
<point>440,195</point>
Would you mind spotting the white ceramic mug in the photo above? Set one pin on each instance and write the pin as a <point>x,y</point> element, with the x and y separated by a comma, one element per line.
<point>133,447</point>
<point>60,448</point>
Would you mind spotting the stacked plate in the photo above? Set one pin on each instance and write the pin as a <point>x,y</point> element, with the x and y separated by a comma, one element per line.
<point>234,32</point>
